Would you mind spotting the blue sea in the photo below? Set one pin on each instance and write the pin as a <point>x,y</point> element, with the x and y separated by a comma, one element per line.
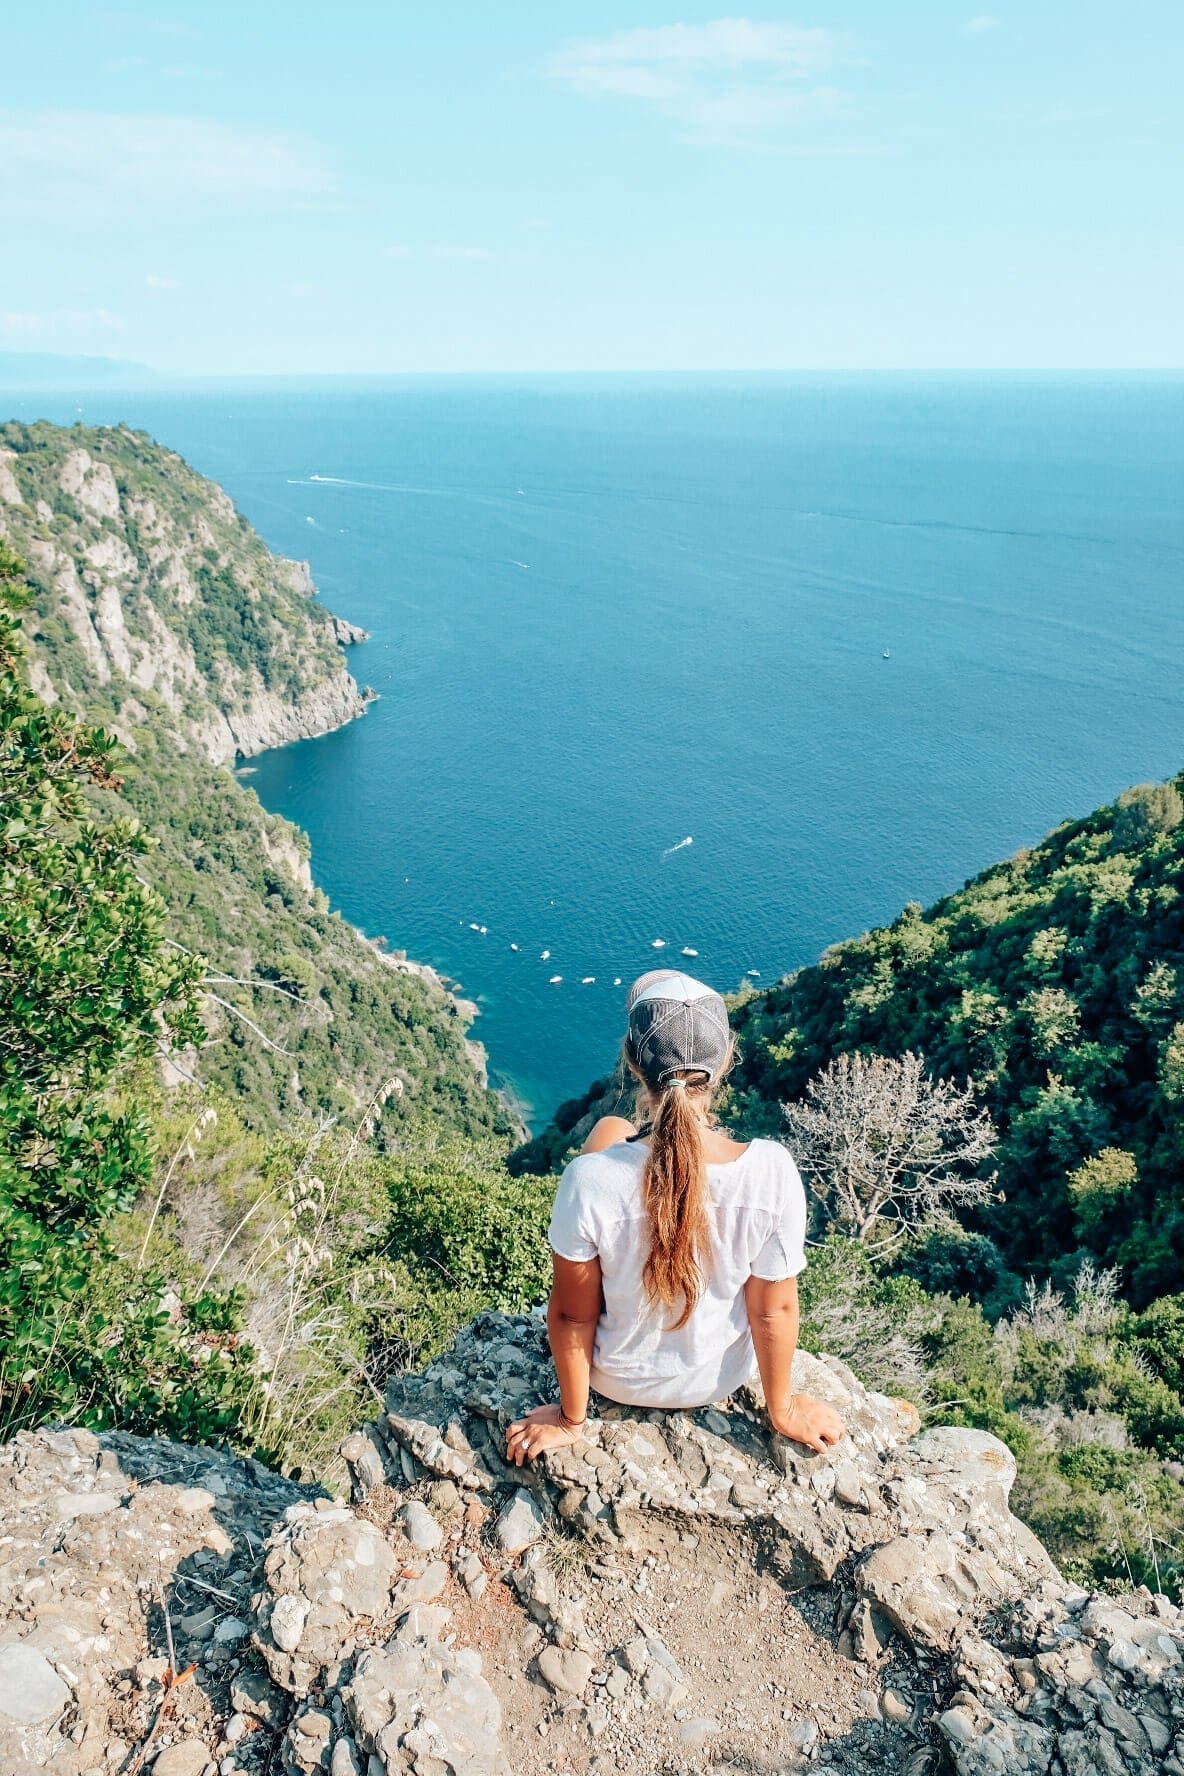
<point>854,636</point>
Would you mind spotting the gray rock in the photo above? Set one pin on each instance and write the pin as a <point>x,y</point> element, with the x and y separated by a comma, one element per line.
<point>324,1570</point>
<point>189,1757</point>
<point>253,1693</point>
<point>565,1670</point>
<point>30,1689</point>
<point>345,1760</point>
<point>288,1616</point>
<point>520,1523</point>
<point>415,1697</point>
<point>420,1527</point>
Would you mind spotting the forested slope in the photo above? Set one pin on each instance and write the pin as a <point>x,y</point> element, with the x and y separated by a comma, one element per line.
<point>159,613</point>
<point>1055,983</point>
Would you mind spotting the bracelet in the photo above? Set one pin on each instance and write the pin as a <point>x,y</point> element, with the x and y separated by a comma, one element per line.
<point>572,1424</point>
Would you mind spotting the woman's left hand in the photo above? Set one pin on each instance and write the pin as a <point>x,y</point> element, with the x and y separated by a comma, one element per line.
<point>540,1431</point>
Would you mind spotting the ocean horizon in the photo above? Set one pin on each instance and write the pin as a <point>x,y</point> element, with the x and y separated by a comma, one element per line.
<point>711,671</point>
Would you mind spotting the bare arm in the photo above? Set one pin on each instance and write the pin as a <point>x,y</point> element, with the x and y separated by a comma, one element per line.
<point>572,1315</point>
<point>773,1318</point>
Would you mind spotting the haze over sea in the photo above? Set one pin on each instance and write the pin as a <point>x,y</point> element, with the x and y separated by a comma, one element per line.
<point>609,614</point>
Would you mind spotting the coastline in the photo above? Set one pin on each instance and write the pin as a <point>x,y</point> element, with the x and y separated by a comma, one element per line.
<point>465,1009</point>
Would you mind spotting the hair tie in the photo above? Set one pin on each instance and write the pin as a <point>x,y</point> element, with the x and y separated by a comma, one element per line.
<point>676,1084</point>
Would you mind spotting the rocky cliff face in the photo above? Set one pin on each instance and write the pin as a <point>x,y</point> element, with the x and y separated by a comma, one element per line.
<point>679,1593</point>
<point>154,591</point>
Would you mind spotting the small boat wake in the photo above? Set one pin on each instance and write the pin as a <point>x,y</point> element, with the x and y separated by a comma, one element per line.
<point>681,846</point>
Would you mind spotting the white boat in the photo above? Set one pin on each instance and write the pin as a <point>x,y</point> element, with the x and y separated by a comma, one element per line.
<point>589,980</point>
<point>886,655</point>
<point>546,956</point>
<point>659,943</point>
<point>688,951</point>
<point>555,980</point>
<point>513,946</point>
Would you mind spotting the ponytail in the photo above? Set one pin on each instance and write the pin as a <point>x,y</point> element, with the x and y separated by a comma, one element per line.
<point>676,1201</point>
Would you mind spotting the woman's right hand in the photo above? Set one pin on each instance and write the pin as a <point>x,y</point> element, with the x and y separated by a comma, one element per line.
<point>809,1421</point>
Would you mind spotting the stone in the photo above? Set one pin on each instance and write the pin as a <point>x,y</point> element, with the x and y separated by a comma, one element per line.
<point>414,1696</point>
<point>689,1529</point>
<point>253,1693</point>
<point>520,1524</point>
<point>189,1757</point>
<point>849,1486</point>
<point>420,1527</point>
<point>565,1670</point>
<point>288,1616</point>
<point>30,1689</point>
<point>191,1500</point>
<point>958,1726</point>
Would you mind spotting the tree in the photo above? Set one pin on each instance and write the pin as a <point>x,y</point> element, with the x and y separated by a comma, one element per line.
<point>886,1148</point>
<point>1144,811</point>
<point>1103,1183</point>
<point>88,991</point>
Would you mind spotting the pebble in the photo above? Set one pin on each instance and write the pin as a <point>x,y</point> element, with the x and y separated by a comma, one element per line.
<point>894,1707</point>
<point>189,1757</point>
<point>188,1502</point>
<point>288,1616</point>
<point>30,1689</point>
<point>520,1524</point>
<point>566,1670</point>
<point>420,1527</point>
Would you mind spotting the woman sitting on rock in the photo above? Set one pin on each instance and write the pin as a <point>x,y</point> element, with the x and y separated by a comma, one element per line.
<point>676,1249</point>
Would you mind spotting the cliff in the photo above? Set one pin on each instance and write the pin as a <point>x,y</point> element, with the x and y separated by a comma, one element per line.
<point>158,612</point>
<point>152,587</point>
<point>679,1592</point>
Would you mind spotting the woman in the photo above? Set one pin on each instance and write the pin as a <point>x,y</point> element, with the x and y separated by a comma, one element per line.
<point>676,1249</point>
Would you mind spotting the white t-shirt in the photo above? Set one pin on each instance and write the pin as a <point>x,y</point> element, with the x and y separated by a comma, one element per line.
<point>758,1213</point>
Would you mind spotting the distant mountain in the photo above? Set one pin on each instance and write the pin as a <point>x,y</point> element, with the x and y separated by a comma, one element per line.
<point>39,370</point>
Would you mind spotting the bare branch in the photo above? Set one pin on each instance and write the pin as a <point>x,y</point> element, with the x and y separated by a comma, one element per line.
<point>885,1147</point>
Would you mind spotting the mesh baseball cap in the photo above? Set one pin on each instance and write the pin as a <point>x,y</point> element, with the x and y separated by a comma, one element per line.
<point>676,1025</point>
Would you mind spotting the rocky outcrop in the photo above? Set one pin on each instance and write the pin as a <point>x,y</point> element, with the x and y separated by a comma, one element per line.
<point>677,1593</point>
<point>162,587</point>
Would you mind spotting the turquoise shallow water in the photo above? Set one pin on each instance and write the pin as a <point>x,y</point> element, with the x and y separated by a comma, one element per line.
<point>609,614</point>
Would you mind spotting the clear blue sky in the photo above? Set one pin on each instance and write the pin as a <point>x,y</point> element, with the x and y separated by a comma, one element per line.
<point>385,186</point>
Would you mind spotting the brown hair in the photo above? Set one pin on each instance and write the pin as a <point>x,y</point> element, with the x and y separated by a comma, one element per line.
<point>675,1190</point>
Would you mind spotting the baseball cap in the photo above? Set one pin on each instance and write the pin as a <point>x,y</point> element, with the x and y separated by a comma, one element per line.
<point>676,1025</point>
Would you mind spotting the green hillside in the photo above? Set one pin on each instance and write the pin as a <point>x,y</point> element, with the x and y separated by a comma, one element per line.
<point>1055,983</point>
<point>160,614</point>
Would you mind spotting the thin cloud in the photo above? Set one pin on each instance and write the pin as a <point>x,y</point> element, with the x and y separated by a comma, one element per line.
<point>155,281</point>
<point>732,81</point>
<point>110,163</point>
<point>405,252</point>
<point>74,321</point>
<point>982,22</point>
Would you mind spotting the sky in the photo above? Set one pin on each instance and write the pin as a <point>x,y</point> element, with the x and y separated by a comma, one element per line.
<point>367,188</point>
